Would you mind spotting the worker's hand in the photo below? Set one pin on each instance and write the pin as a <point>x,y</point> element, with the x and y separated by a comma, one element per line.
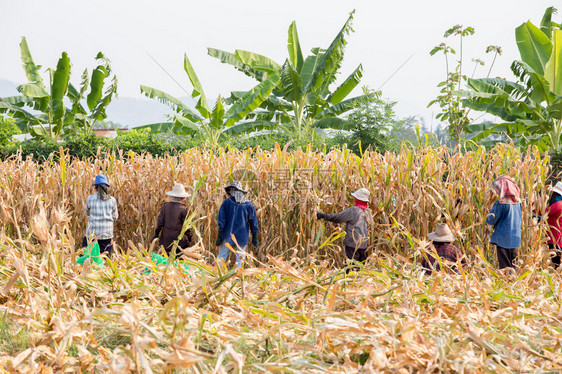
<point>320,215</point>
<point>154,238</point>
<point>255,241</point>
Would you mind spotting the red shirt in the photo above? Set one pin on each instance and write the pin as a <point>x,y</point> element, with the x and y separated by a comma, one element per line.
<point>555,222</point>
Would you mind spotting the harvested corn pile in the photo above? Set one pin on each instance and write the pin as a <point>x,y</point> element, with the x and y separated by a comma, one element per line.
<point>295,309</point>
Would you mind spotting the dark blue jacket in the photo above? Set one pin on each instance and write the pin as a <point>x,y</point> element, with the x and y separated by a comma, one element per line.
<point>237,219</point>
<point>507,225</point>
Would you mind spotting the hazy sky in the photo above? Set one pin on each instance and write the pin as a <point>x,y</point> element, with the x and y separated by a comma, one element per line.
<point>386,34</point>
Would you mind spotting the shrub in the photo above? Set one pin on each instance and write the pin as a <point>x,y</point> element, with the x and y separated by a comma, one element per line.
<point>8,129</point>
<point>85,144</point>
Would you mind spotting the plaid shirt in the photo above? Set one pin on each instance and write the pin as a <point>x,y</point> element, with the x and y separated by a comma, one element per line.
<point>101,214</point>
<point>447,252</point>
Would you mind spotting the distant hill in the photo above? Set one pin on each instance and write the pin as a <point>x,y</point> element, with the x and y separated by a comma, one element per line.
<point>132,112</point>
<point>127,111</point>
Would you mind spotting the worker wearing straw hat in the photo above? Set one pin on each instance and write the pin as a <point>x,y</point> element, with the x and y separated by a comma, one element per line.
<point>356,230</point>
<point>237,217</point>
<point>442,239</point>
<point>171,218</point>
<point>505,216</point>
<point>101,209</point>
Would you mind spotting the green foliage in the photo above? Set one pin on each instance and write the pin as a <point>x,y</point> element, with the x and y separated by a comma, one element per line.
<point>372,124</point>
<point>151,142</point>
<point>452,109</point>
<point>13,337</point>
<point>8,129</point>
<point>85,144</point>
<point>304,100</point>
<point>267,141</point>
<point>212,124</point>
<point>532,106</point>
<point>51,118</point>
<point>556,164</point>
<point>39,149</point>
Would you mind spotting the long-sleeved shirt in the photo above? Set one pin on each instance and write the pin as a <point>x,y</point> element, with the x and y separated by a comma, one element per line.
<point>238,220</point>
<point>101,214</point>
<point>170,222</point>
<point>555,224</point>
<point>506,220</point>
<point>356,231</point>
<point>446,251</point>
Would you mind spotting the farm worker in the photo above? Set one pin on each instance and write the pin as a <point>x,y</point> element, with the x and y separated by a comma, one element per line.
<point>237,217</point>
<point>171,218</point>
<point>554,211</point>
<point>505,216</point>
<point>356,231</point>
<point>101,209</point>
<point>441,240</point>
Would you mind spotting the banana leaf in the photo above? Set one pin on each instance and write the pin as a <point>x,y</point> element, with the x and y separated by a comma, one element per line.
<point>230,58</point>
<point>343,106</point>
<point>257,61</point>
<point>33,76</point>
<point>546,22</point>
<point>96,86</point>
<point>294,47</point>
<point>553,70</point>
<point>246,127</point>
<point>217,115</point>
<point>534,46</point>
<point>59,87</point>
<point>33,90</point>
<point>347,86</point>
<point>176,104</point>
<point>327,67</point>
<point>251,100</point>
<point>291,82</point>
<point>202,106</point>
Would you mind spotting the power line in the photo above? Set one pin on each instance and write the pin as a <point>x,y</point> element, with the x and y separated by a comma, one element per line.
<point>396,71</point>
<point>166,71</point>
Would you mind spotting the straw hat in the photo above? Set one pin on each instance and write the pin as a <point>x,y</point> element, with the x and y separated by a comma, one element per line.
<point>178,191</point>
<point>101,180</point>
<point>442,234</point>
<point>557,188</point>
<point>361,194</point>
<point>236,185</point>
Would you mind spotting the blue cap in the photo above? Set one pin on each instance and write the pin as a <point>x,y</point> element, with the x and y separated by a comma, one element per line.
<point>101,179</point>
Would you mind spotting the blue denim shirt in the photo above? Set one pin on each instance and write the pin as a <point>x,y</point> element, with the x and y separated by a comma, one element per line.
<point>507,225</point>
<point>237,219</point>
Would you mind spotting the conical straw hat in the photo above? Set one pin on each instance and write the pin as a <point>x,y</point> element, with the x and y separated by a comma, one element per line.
<point>178,191</point>
<point>442,234</point>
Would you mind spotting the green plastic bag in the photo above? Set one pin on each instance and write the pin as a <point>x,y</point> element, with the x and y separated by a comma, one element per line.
<point>158,259</point>
<point>161,260</point>
<point>92,252</point>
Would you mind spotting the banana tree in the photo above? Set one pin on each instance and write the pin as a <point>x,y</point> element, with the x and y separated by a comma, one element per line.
<point>531,106</point>
<point>217,123</point>
<point>304,101</point>
<point>50,118</point>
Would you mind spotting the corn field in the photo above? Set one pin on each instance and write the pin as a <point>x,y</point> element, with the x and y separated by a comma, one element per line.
<point>294,309</point>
